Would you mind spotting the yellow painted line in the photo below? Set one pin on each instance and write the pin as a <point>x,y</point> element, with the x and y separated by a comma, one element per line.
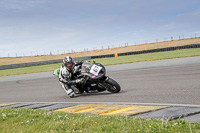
<point>134,110</point>
<point>79,108</point>
<point>110,111</point>
<point>2,105</point>
<point>104,108</point>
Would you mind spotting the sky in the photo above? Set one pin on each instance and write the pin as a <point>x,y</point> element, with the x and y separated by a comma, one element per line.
<point>38,27</point>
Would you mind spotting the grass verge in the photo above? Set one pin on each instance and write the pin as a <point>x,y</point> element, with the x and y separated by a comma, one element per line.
<point>110,61</point>
<point>28,121</point>
<point>32,69</point>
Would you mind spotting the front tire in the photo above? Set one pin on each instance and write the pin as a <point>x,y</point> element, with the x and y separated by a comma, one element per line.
<point>114,87</point>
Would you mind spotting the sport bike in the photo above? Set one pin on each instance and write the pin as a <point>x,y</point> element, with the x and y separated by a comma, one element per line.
<point>95,79</point>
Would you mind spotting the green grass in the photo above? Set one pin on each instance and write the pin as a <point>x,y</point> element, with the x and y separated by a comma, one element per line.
<point>150,56</point>
<point>32,69</point>
<point>39,121</point>
<point>110,61</point>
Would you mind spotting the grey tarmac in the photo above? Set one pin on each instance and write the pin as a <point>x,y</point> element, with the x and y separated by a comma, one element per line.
<point>173,81</point>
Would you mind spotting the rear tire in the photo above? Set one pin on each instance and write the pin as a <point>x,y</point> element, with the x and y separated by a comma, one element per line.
<point>114,86</point>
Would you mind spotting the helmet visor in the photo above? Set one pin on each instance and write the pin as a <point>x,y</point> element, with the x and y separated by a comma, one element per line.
<point>68,64</point>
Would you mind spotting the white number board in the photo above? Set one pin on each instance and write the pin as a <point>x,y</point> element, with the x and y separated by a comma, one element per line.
<point>95,69</point>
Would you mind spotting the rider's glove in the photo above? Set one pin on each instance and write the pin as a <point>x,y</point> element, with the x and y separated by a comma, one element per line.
<point>80,81</point>
<point>77,81</point>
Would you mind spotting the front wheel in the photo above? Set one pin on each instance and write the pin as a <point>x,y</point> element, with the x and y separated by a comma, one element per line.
<point>114,87</point>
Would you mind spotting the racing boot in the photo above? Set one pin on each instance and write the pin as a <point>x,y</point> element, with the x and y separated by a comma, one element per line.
<point>70,93</point>
<point>68,90</point>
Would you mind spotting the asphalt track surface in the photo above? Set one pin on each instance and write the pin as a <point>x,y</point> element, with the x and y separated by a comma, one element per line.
<point>173,81</point>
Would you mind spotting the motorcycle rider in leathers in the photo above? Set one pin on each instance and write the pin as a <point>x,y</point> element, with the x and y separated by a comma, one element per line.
<point>67,73</point>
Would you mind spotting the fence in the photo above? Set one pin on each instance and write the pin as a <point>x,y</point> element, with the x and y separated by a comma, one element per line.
<point>57,52</point>
<point>3,67</point>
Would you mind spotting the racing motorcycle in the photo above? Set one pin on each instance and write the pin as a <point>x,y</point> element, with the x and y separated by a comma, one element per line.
<point>95,79</point>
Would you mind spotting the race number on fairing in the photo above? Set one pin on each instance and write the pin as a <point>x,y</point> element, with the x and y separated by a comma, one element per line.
<point>95,69</point>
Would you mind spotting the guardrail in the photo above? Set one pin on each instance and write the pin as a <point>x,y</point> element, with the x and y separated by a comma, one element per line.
<point>148,51</point>
<point>20,65</point>
<point>11,66</point>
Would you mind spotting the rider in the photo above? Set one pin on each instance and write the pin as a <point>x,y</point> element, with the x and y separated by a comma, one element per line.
<point>67,74</point>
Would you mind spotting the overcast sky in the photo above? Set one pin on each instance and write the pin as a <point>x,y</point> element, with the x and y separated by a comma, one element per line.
<point>43,26</point>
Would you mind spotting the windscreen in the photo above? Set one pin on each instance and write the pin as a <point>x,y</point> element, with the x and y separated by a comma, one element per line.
<point>90,69</point>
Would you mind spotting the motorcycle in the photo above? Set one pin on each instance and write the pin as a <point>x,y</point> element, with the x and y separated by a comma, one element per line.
<point>95,79</point>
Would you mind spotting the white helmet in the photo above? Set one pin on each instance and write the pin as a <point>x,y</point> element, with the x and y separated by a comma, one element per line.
<point>69,63</point>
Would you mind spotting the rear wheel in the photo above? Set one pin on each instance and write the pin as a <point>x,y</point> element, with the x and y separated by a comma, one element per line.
<point>114,87</point>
